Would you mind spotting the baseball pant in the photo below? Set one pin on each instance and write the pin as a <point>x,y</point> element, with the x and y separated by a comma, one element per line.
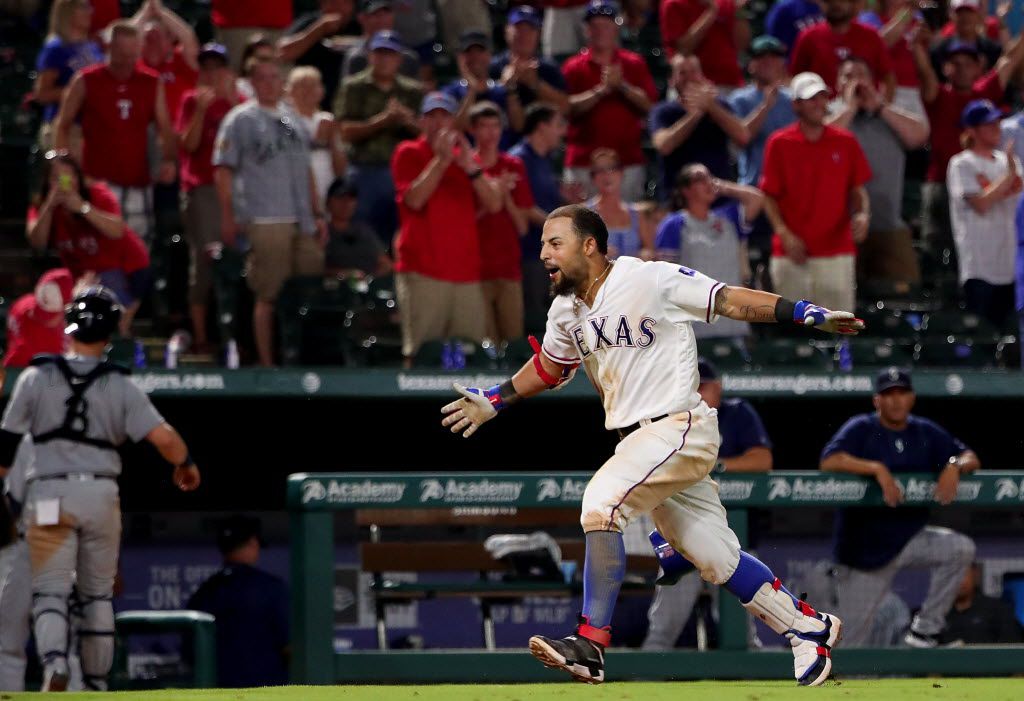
<point>828,280</point>
<point>503,304</point>
<point>15,614</point>
<point>433,309</point>
<point>662,469</point>
<point>946,553</point>
<point>670,610</point>
<point>84,545</point>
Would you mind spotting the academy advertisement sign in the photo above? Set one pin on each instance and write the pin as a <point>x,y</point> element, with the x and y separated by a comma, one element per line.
<point>512,490</point>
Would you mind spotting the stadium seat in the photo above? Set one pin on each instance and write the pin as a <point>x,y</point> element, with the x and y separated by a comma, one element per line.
<point>953,351</point>
<point>793,353</point>
<point>880,351</point>
<point>881,321</point>
<point>314,317</point>
<point>726,353</point>
<point>942,323</point>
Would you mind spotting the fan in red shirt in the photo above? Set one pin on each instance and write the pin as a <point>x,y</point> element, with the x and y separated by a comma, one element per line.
<point>814,176</point>
<point>991,27</point>
<point>711,29</point>
<point>170,48</point>
<point>821,48</point>
<point>610,92</point>
<point>897,23</point>
<point>439,191</point>
<point>116,101</point>
<point>202,111</point>
<point>35,323</point>
<point>82,222</point>
<point>103,13</point>
<point>236,21</point>
<point>500,232</point>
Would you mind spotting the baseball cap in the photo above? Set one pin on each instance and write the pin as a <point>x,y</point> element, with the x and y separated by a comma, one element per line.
<point>439,101</point>
<point>891,378</point>
<point>524,13</point>
<point>236,530</point>
<point>53,290</point>
<point>965,5</point>
<point>213,50</point>
<point>468,40</point>
<point>342,186</point>
<point>601,8</point>
<point>807,85</point>
<point>370,6</point>
<point>767,44</point>
<point>962,47</point>
<point>387,40</point>
<point>979,112</point>
<point>707,371</point>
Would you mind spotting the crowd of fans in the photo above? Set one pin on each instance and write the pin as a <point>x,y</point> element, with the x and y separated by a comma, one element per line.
<point>367,137</point>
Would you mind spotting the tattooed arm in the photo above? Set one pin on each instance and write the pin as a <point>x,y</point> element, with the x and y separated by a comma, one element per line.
<point>746,305</point>
<point>756,306</point>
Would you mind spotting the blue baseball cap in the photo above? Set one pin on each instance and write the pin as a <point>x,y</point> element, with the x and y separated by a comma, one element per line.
<point>439,101</point>
<point>892,378</point>
<point>525,13</point>
<point>387,40</point>
<point>601,8</point>
<point>962,47</point>
<point>213,50</point>
<point>979,112</point>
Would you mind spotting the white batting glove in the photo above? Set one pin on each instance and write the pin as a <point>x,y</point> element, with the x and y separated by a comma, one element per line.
<point>827,320</point>
<point>476,407</point>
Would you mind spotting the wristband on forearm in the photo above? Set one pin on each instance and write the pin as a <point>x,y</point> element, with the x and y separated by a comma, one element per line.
<point>784,310</point>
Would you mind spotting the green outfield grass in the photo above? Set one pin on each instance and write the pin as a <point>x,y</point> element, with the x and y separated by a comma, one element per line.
<point>853,690</point>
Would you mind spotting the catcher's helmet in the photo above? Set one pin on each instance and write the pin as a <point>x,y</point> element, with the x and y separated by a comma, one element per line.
<point>93,315</point>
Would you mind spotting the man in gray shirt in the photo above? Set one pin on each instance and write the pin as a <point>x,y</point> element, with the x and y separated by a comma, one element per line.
<point>265,186</point>
<point>78,408</point>
<point>885,133</point>
<point>713,241</point>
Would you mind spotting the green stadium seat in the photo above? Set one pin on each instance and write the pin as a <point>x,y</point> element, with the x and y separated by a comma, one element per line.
<point>314,316</point>
<point>957,352</point>
<point>881,352</point>
<point>945,323</point>
<point>790,353</point>
<point>725,353</point>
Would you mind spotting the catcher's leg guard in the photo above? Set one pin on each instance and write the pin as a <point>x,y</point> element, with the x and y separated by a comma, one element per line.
<point>811,634</point>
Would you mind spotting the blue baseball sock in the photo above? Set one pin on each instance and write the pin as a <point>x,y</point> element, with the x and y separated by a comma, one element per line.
<point>749,576</point>
<point>603,570</point>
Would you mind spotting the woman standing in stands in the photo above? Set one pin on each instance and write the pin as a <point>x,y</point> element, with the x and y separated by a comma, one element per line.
<point>629,230</point>
<point>82,221</point>
<point>68,48</point>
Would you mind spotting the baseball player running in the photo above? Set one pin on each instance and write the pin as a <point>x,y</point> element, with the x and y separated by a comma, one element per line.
<point>628,323</point>
<point>78,408</point>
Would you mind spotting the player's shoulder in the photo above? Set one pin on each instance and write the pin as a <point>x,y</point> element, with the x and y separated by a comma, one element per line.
<point>147,74</point>
<point>925,424</point>
<point>561,310</point>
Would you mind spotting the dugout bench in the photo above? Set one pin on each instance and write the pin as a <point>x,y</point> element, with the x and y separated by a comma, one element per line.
<point>494,583</point>
<point>313,498</point>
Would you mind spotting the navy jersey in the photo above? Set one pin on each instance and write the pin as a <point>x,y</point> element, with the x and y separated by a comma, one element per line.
<point>251,608</point>
<point>741,428</point>
<point>869,538</point>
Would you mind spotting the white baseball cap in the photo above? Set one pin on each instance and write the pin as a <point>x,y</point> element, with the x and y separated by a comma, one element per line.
<point>970,4</point>
<point>806,85</point>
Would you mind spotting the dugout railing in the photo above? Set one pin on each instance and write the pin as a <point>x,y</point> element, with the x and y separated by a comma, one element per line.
<point>313,499</point>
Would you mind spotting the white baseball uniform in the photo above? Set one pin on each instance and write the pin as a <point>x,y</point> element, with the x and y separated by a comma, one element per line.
<point>638,349</point>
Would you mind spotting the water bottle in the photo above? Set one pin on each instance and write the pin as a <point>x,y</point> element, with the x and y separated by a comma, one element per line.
<point>447,362</point>
<point>845,356</point>
<point>458,356</point>
<point>231,356</point>
<point>178,344</point>
<point>139,357</point>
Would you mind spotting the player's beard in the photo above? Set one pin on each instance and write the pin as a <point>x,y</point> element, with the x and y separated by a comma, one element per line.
<point>566,284</point>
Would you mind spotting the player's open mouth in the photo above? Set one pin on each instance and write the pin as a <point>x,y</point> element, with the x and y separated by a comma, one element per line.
<point>552,272</point>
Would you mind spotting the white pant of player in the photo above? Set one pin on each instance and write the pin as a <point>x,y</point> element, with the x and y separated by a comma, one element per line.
<point>15,614</point>
<point>662,469</point>
<point>830,281</point>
